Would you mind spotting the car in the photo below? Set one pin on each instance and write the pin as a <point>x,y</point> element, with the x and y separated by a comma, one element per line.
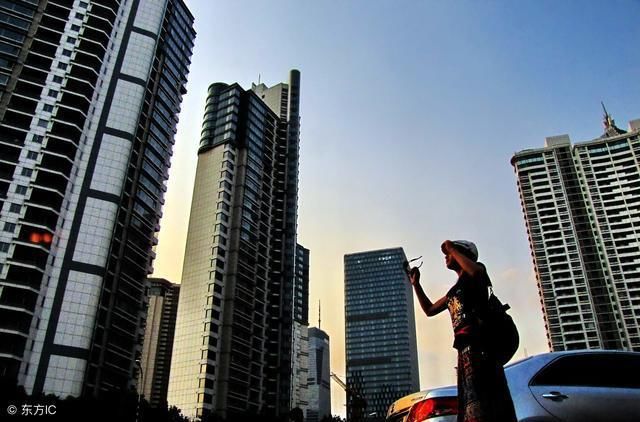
<point>577,385</point>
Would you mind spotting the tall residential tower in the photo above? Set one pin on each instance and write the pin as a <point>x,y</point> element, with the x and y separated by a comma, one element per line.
<point>382,357</point>
<point>90,95</point>
<point>581,206</point>
<point>234,332</point>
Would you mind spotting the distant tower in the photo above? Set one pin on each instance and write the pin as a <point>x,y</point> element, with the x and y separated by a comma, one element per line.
<point>382,357</point>
<point>300,372</point>
<point>155,361</point>
<point>581,205</point>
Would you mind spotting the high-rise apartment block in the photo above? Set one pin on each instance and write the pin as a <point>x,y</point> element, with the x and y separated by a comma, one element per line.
<point>581,205</point>
<point>234,343</point>
<point>90,95</point>
<point>382,357</point>
<point>155,361</point>
<point>319,387</point>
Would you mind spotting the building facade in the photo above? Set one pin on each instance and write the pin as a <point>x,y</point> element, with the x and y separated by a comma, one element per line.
<point>319,385</point>
<point>381,350</point>
<point>90,95</point>
<point>155,361</point>
<point>234,332</point>
<point>581,205</point>
<point>300,358</point>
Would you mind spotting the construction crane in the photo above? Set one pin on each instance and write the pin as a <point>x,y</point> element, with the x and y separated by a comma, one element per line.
<point>357,401</point>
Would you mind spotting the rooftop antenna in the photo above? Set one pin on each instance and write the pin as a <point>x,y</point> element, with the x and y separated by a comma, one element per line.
<point>259,80</point>
<point>318,315</point>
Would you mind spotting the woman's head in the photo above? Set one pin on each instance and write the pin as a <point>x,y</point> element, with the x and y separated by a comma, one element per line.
<point>466,248</point>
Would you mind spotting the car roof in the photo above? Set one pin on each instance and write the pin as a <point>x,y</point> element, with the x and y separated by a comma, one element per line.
<point>549,356</point>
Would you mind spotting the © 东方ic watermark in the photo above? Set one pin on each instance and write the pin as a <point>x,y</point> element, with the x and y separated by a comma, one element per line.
<point>32,410</point>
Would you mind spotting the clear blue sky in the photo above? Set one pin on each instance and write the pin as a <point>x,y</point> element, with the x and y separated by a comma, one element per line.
<point>410,114</point>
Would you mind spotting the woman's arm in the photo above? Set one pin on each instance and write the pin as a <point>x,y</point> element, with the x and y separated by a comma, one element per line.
<point>429,308</point>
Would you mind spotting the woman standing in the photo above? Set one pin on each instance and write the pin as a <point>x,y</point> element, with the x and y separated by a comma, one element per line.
<point>483,393</point>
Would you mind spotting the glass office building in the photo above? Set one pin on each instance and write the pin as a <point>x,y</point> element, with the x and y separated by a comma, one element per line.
<point>581,205</point>
<point>235,327</point>
<point>381,351</point>
<point>90,94</point>
<point>319,382</point>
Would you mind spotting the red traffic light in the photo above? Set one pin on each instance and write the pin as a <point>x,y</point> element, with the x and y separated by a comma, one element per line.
<point>36,237</point>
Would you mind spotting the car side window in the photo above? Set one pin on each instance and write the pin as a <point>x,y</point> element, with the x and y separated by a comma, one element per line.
<point>591,370</point>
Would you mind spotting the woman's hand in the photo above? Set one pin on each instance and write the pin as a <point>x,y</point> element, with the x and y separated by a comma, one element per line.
<point>414,276</point>
<point>447,246</point>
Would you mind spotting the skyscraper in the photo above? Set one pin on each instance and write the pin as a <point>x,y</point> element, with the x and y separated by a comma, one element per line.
<point>581,206</point>
<point>155,361</point>
<point>319,383</point>
<point>88,112</point>
<point>234,331</point>
<point>300,358</point>
<point>382,357</point>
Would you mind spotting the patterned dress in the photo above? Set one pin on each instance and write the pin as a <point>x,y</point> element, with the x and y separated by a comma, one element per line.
<point>483,393</point>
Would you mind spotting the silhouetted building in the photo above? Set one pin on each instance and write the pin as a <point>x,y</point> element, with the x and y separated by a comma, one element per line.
<point>155,361</point>
<point>382,358</point>
<point>235,327</point>
<point>88,110</point>
<point>581,205</point>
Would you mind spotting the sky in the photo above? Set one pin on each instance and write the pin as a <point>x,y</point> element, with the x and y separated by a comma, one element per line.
<point>410,114</point>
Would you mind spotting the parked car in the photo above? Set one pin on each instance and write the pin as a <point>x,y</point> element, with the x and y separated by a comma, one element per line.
<point>584,385</point>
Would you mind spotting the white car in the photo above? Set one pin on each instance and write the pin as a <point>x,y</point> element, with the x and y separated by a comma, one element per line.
<point>585,385</point>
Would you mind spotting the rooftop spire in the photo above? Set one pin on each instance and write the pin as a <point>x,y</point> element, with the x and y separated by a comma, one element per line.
<point>610,128</point>
<point>318,315</point>
<point>606,120</point>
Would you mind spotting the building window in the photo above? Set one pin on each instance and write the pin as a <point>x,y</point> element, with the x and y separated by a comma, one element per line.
<point>75,28</point>
<point>53,93</point>
<point>48,108</point>
<point>57,79</point>
<point>84,4</point>
<point>4,247</point>
<point>220,228</point>
<point>9,227</point>
<point>66,53</point>
<point>27,172</point>
<point>15,208</point>
<point>21,190</point>
<point>71,40</point>
<point>32,155</point>
<point>79,15</point>
<point>42,123</point>
<point>62,66</point>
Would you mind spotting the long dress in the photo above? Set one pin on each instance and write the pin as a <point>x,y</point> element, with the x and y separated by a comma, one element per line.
<point>483,393</point>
